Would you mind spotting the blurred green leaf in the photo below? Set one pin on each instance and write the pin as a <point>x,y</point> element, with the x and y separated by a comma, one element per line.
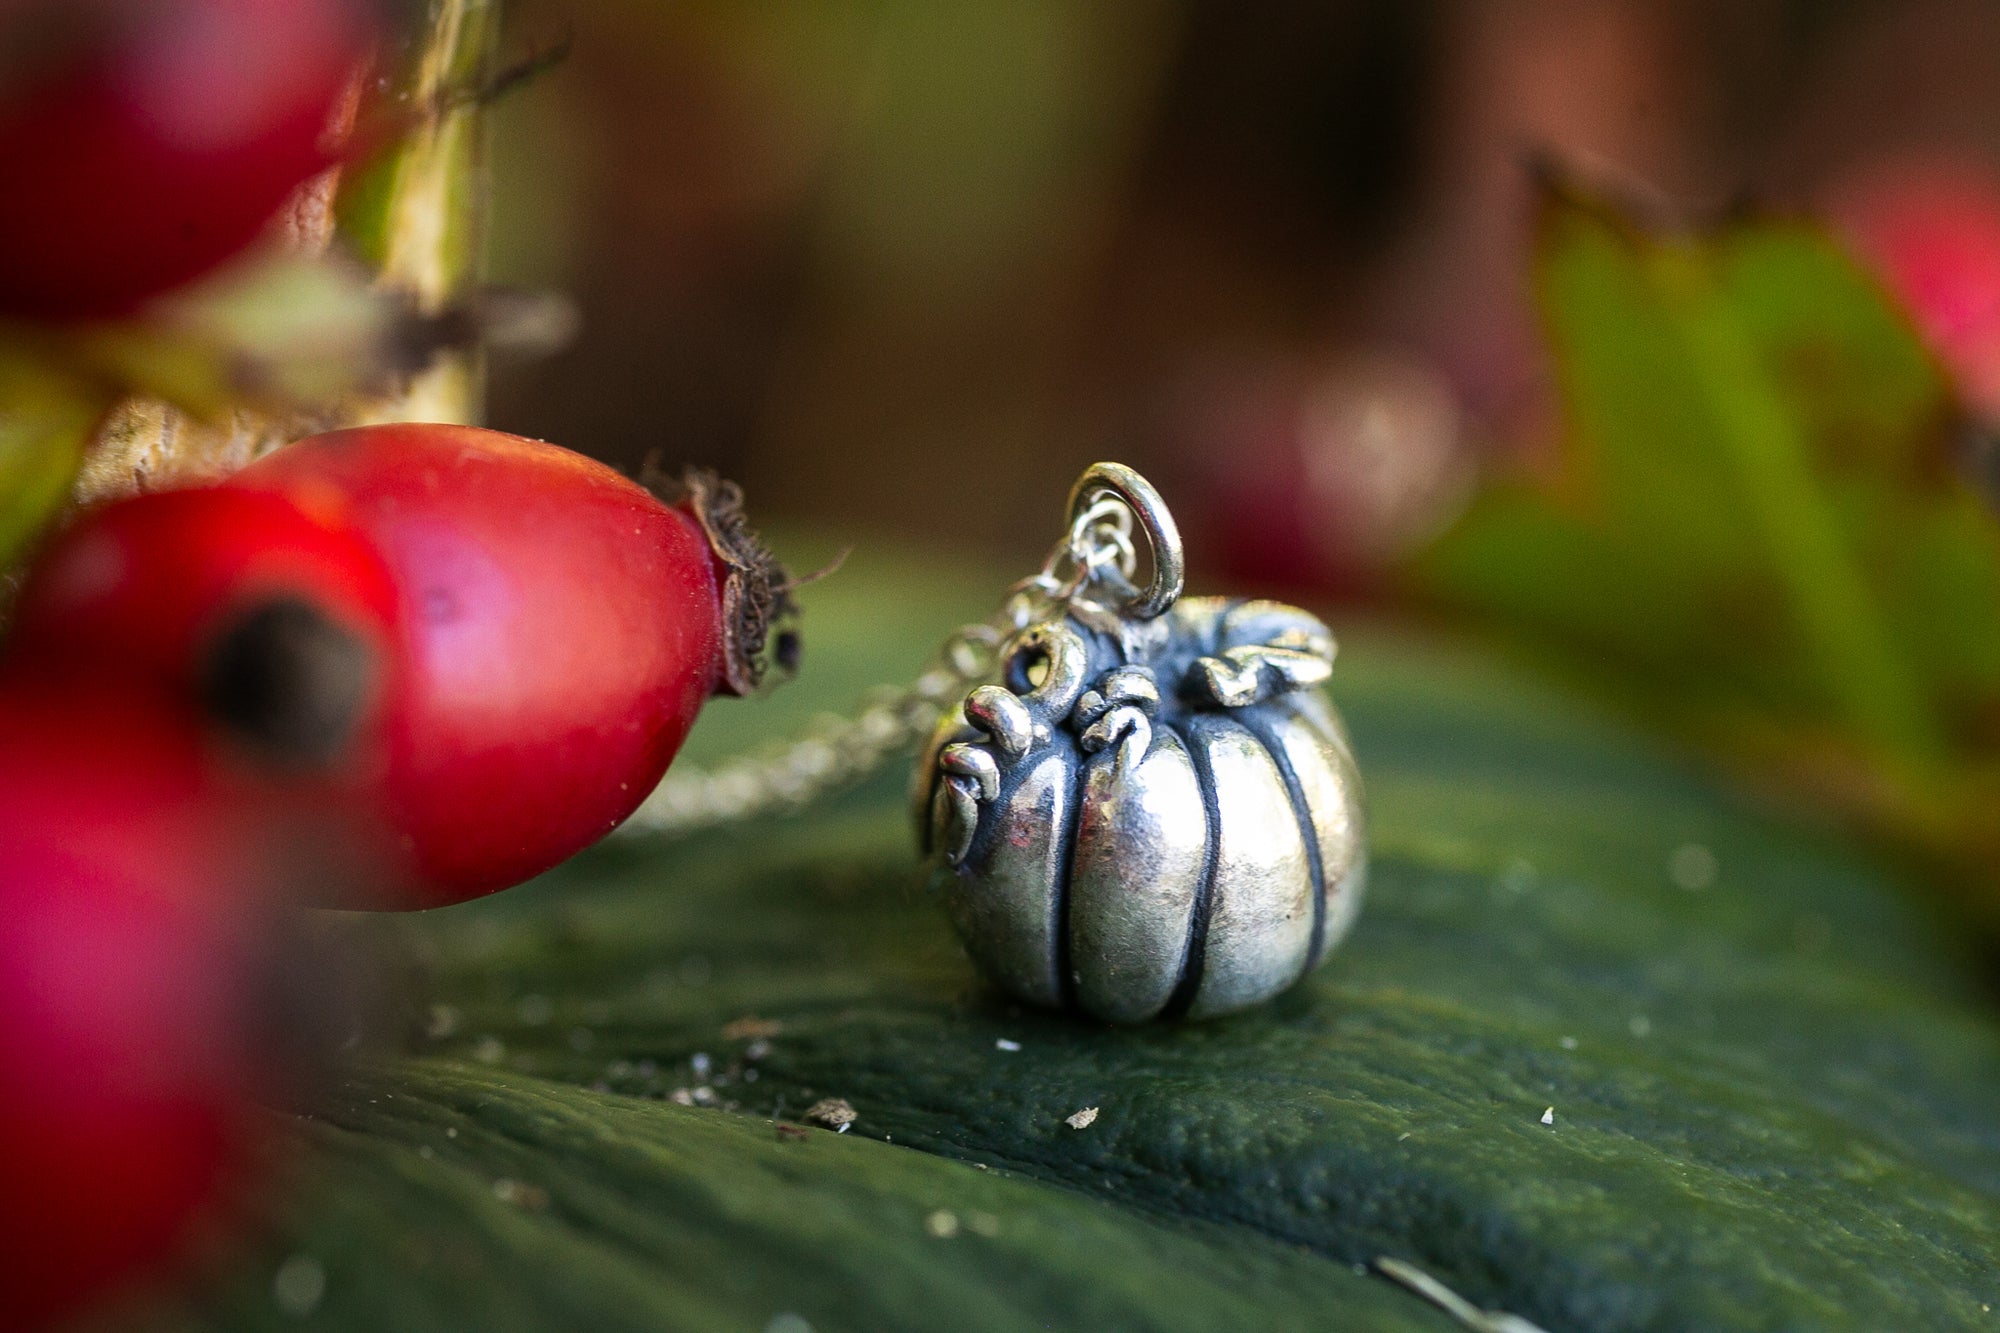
<point>1754,527</point>
<point>46,419</point>
<point>1773,1087</point>
<point>280,332</point>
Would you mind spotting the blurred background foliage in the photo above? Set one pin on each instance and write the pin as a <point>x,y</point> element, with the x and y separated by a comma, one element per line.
<point>844,249</point>
<point>1667,416</point>
<point>1663,338</point>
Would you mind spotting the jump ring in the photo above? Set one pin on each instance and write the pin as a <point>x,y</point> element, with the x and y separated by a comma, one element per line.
<point>1162,533</point>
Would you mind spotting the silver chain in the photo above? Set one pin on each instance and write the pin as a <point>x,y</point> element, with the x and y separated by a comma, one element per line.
<point>835,751</point>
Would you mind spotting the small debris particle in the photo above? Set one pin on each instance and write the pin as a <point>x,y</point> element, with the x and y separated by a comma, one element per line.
<point>752,1028</point>
<point>793,1133</point>
<point>681,1097</point>
<point>490,1051</point>
<point>981,1166</point>
<point>532,1197</point>
<point>757,1049</point>
<point>451,1131</point>
<point>442,1023</point>
<point>788,1323</point>
<point>705,1096</point>
<point>983,1224</point>
<point>1640,1026</point>
<point>535,1010</point>
<point>1567,1043</point>
<point>1549,1116</point>
<point>943,1224</point>
<point>1083,1119</point>
<point>299,1285</point>
<point>832,1112</point>
<point>1692,867</point>
<point>1404,1135</point>
<point>700,1063</point>
<point>1004,1044</point>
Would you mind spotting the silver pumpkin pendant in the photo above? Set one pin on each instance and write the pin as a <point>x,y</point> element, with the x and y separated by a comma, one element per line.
<point>1153,812</point>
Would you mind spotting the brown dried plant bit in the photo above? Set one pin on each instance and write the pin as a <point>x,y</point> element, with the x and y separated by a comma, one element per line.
<point>1082,1119</point>
<point>833,1113</point>
<point>793,1133</point>
<point>531,1197</point>
<point>1467,1315</point>
<point>751,1028</point>
<point>757,606</point>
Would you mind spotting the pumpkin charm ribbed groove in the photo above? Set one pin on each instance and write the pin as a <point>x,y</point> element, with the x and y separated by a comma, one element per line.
<point>1148,817</point>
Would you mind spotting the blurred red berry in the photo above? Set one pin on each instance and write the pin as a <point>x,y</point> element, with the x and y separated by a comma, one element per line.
<point>133,980</point>
<point>143,142</point>
<point>278,619</point>
<point>562,629</point>
<point>1931,231</point>
<point>1318,484</point>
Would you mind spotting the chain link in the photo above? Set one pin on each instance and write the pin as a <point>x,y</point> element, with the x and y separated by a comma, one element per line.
<point>835,751</point>
<point>832,752</point>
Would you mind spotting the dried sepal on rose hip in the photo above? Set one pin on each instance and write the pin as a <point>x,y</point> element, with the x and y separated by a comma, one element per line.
<point>559,627</point>
<point>757,610</point>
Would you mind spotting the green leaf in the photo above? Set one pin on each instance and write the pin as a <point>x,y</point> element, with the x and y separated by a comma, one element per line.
<point>279,332</point>
<point>46,419</point>
<point>1776,1093</point>
<point>1754,528</point>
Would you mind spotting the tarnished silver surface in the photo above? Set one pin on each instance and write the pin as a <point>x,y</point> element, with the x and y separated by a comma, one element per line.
<point>1153,811</point>
<point>1260,912</point>
<point>1139,805</point>
<point>1141,849</point>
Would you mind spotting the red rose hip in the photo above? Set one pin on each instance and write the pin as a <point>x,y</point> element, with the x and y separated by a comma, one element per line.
<point>143,142</point>
<point>1930,231</point>
<point>135,972</point>
<point>277,619</point>
<point>561,629</point>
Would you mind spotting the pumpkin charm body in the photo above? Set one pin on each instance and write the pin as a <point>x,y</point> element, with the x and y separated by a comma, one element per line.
<point>1149,816</point>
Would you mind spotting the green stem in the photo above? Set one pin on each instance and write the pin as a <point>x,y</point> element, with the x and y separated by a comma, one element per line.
<point>420,213</point>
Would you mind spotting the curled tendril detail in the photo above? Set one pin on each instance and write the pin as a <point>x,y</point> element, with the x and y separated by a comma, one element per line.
<point>1290,651</point>
<point>1118,712</point>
